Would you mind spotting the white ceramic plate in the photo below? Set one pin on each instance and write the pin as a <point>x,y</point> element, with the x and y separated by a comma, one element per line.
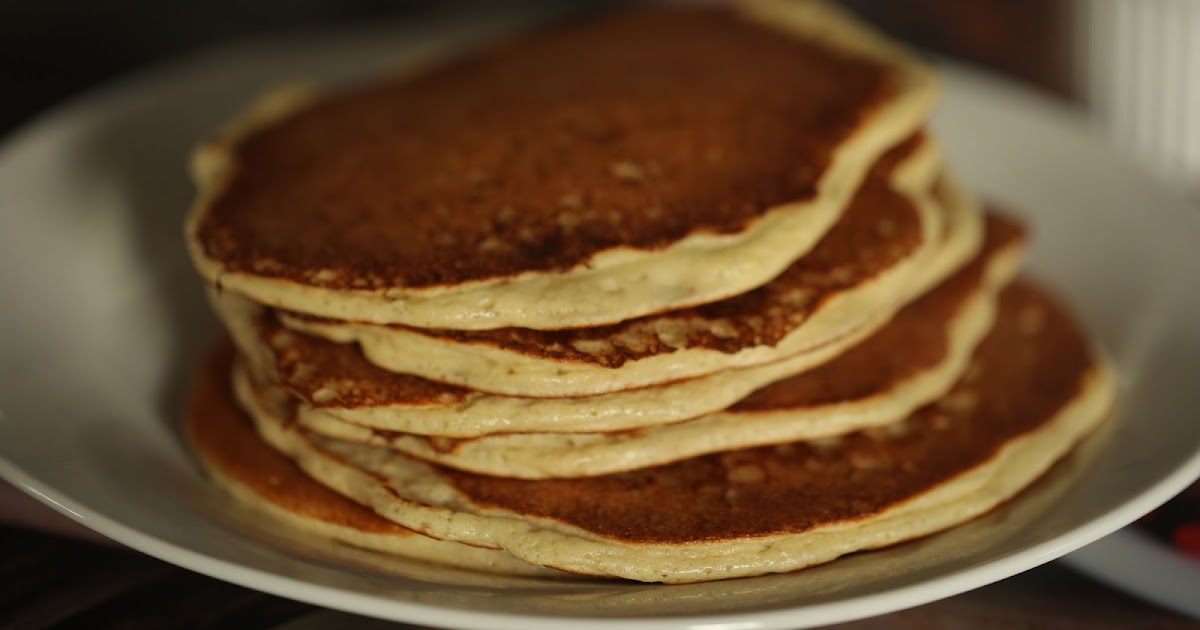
<point>103,322</point>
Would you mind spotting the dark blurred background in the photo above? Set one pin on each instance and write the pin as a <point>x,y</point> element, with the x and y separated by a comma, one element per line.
<point>53,49</point>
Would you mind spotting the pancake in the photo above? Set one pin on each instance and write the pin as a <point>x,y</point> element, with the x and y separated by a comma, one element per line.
<point>867,264</point>
<point>576,177</point>
<point>334,383</point>
<point>1039,389</point>
<point>262,479</point>
<point>912,360</point>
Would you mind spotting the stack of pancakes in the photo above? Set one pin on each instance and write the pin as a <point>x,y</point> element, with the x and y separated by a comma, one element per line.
<point>673,294</point>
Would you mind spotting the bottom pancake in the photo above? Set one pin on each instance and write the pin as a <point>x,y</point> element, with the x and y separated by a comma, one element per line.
<point>1036,390</point>
<point>258,476</point>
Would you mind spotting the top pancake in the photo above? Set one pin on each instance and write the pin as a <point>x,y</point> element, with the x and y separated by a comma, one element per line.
<point>613,158</point>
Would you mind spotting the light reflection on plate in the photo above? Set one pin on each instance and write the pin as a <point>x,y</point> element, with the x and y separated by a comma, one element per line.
<point>104,321</point>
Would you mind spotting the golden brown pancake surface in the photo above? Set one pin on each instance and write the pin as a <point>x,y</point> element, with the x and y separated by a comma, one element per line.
<point>1033,363</point>
<point>631,130</point>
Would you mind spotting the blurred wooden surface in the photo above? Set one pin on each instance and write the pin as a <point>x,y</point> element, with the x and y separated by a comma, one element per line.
<point>52,581</point>
<point>55,582</point>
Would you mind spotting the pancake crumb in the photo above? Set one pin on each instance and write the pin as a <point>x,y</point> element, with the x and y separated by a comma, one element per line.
<point>506,215</point>
<point>747,473</point>
<point>867,461</point>
<point>570,200</point>
<point>723,329</point>
<point>268,265</point>
<point>323,276</point>
<point>594,347</point>
<point>672,332</point>
<point>825,444</point>
<point>478,179</point>
<point>441,444</point>
<point>528,235</point>
<point>889,431</point>
<point>627,171</point>
<point>798,297</point>
<point>1030,320</point>
<point>324,395</point>
<point>842,274</point>
<point>282,340</point>
<point>568,221</point>
<point>447,398</point>
<point>491,245</point>
<point>632,340</point>
<point>973,372</point>
<point>960,402</point>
